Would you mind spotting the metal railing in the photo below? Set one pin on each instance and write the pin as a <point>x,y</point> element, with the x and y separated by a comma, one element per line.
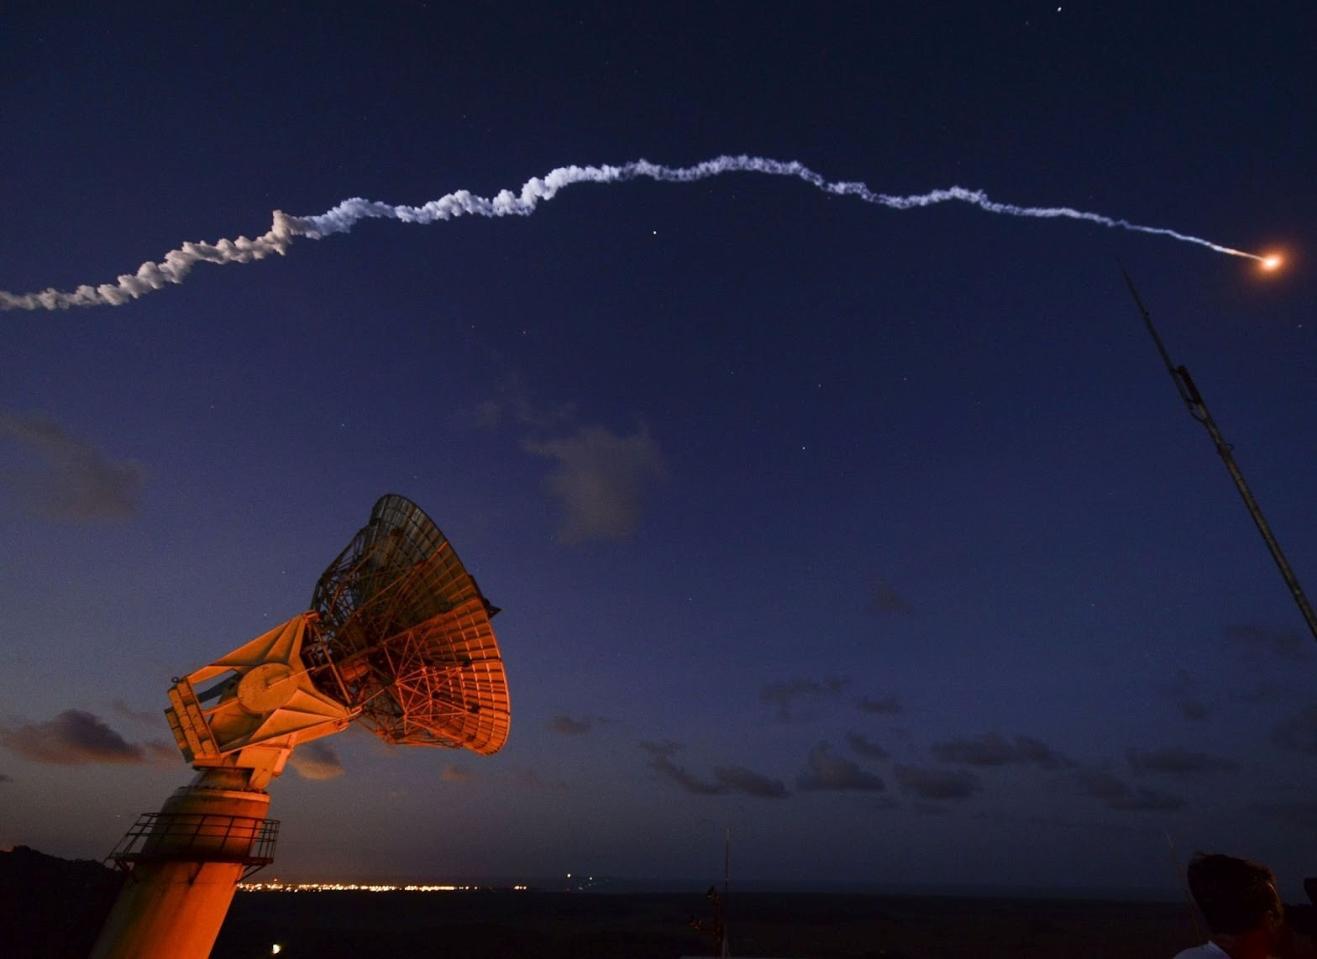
<point>199,838</point>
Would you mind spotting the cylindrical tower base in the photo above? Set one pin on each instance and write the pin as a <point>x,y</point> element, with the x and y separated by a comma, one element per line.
<point>183,866</point>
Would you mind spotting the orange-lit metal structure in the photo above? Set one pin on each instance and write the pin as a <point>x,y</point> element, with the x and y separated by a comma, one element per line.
<point>398,637</point>
<point>404,635</point>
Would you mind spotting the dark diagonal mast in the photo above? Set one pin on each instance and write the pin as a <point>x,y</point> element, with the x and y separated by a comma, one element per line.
<point>1184,384</point>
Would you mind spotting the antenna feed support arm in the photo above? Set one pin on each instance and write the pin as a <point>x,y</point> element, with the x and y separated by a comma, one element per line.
<point>266,705</point>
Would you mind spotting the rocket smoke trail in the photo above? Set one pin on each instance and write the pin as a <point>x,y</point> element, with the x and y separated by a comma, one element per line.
<point>177,264</point>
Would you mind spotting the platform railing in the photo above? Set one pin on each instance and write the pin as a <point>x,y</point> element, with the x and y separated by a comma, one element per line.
<point>198,837</point>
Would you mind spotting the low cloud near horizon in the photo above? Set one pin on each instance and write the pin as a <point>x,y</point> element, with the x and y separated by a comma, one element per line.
<point>936,784</point>
<point>1176,761</point>
<point>1299,813</point>
<point>863,746</point>
<point>1297,732</point>
<point>1119,795</point>
<point>68,479</point>
<point>885,600</point>
<point>727,779</point>
<point>828,773</point>
<point>1284,643</point>
<point>885,706</point>
<point>795,699</point>
<point>570,726</point>
<point>145,717</point>
<point>316,761</point>
<point>527,778</point>
<point>1183,690</point>
<point>76,737</point>
<point>993,749</point>
<point>453,773</point>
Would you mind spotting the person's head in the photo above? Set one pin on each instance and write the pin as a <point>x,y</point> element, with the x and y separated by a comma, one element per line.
<point>1236,896</point>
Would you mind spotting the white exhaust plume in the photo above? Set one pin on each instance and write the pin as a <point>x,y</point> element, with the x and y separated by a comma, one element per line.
<point>176,265</point>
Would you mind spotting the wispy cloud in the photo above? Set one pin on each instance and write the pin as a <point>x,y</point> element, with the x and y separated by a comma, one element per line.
<point>936,784</point>
<point>738,779</point>
<point>885,600</point>
<point>67,478</point>
<point>316,760</point>
<point>1119,795</point>
<point>145,717</point>
<point>1183,691</point>
<point>826,772</point>
<point>993,749</point>
<point>1285,643</point>
<point>512,403</point>
<point>455,773</point>
<point>1300,814</point>
<point>661,761</point>
<point>1267,693</point>
<point>600,480</point>
<point>795,699</point>
<point>925,808</point>
<point>161,752</point>
<point>530,779</point>
<point>727,779</point>
<point>881,706</point>
<point>998,816</point>
<point>865,747</point>
<point>72,738</point>
<point>1175,761</point>
<point>1298,732</point>
<point>570,726</point>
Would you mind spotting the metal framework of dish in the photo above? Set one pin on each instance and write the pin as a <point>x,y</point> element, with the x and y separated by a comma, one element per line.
<point>403,635</point>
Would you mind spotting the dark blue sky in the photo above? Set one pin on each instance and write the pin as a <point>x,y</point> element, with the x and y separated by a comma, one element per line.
<point>878,537</point>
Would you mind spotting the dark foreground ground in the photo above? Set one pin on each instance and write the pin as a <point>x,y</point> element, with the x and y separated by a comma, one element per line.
<point>558,925</point>
<point>52,909</point>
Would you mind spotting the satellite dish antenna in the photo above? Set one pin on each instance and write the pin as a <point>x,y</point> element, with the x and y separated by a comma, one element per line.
<point>405,639</point>
<point>398,638</point>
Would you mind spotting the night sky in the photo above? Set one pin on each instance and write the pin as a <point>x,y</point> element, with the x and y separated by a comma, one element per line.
<point>879,538</point>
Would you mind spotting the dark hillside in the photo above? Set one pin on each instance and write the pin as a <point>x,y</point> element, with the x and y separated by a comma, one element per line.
<point>52,908</point>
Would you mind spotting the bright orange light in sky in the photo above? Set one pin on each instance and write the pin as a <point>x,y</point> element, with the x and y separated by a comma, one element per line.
<point>1272,262</point>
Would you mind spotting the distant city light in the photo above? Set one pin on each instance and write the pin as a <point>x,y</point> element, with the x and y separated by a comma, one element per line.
<point>276,886</point>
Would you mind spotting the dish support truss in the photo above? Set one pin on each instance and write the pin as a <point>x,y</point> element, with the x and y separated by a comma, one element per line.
<point>404,636</point>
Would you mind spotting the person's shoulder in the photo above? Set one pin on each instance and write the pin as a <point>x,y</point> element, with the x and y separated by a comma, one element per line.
<point>1208,950</point>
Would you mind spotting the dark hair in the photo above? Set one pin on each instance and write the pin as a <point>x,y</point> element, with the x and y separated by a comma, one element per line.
<point>1235,895</point>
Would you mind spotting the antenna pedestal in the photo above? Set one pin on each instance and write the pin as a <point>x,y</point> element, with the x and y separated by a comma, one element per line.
<point>399,637</point>
<point>183,865</point>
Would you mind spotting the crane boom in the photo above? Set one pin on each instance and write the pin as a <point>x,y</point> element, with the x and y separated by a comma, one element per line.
<point>1188,391</point>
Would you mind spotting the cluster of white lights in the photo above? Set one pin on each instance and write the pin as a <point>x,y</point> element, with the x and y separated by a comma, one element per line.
<point>276,886</point>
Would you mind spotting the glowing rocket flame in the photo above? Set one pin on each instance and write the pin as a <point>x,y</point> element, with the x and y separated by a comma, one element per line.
<point>1272,262</point>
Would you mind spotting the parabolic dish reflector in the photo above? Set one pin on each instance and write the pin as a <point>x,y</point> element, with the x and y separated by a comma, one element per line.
<point>404,635</point>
